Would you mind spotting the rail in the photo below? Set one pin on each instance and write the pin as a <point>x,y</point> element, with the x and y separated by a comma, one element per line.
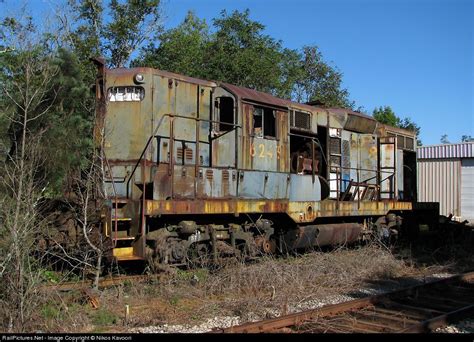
<point>418,308</point>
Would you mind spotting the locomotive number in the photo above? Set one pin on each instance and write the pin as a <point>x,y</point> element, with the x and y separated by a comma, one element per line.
<point>263,153</point>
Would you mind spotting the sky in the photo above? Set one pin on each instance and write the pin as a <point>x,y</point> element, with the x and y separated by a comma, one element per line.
<point>416,56</point>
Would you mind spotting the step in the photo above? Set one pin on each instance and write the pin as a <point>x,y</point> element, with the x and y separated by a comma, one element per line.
<point>120,218</point>
<point>124,238</point>
<point>125,254</point>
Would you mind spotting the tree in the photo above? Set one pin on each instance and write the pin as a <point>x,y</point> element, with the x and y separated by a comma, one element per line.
<point>444,139</point>
<point>238,52</point>
<point>116,33</point>
<point>320,82</point>
<point>28,94</point>
<point>181,49</point>
<point>387,116</point>
<point>467,138</point>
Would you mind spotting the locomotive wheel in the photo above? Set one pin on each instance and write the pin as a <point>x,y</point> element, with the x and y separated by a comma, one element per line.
<point>265,245</point>
<point>199,255</point>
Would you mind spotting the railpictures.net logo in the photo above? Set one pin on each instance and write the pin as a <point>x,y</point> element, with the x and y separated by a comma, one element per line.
<point>63,338</point>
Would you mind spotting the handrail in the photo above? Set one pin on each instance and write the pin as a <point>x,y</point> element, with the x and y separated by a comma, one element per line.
<point>154,134</point>
<point>340,179</point>
<point>115,200</point>
<point>144,150</point>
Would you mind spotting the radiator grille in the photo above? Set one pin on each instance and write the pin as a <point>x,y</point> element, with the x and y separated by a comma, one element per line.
<point>335,145</point>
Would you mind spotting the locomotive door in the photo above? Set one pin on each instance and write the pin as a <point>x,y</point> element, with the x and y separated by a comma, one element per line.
<point>223,130</point>
<point>387,162</point>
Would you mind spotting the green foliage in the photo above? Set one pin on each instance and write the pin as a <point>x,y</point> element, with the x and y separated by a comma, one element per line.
<point>130,22</point>
<point>104,317</point>
<point>50,276</point>
<point>444,139</point>
<point>181,49</point>
<point>320,82</point>
<point>64,126</point>
<point>69,122</point>
<point>238,52</point>
<point>174,300</point>
<point>387,116</point>
<point>115,33</point>
<point>50,311</point>
<point>199,274</point>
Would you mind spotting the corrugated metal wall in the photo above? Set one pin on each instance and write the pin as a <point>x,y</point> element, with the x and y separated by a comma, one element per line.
<point>439,180</point>
<point>467,189</point>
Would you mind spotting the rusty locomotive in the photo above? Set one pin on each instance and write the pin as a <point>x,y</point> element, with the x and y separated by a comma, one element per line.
<point>199,168</point>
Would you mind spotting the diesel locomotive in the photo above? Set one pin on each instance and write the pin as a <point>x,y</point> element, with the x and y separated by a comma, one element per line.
<point>196,168</point>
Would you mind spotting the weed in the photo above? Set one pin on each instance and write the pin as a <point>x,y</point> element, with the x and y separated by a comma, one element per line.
<point>50,311</point>
<point>104,317</point>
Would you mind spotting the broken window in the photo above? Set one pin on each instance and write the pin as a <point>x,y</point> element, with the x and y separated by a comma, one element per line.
<point>264,122</point>
<point>226,113</point>
<point>258,122</point>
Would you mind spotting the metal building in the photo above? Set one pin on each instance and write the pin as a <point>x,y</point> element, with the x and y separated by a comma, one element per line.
<point>446,175</point>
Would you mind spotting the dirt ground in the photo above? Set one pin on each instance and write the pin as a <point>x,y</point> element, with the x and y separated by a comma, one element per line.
<point>180,299</point>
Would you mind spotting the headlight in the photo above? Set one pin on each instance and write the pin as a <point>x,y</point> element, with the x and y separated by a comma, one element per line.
<point>139,78</point>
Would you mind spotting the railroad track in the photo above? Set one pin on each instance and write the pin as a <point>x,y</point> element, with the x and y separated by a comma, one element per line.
<point>421,308</point>
<point>103,282</point>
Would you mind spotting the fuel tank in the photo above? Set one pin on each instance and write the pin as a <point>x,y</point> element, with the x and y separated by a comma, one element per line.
<point>322,235</point>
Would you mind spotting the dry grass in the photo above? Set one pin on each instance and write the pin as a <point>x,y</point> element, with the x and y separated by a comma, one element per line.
<point>249,290</point>
<point>263,289</point>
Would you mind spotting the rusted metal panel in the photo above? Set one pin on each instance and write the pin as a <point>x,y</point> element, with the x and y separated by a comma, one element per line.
<point>387,166</point>
<point>349,159</point>
<point>267,185</point>
<point>224,144</point>
<point>214,207</point>
<point>303,212</point>
<point>184,153</point>
<point>216,183</point>
<point>322,117</point>
<point>245,155</point>
<point>162,183</point>
<point>126,119</point>
<point>265,154</point>
<point>163,103</point>
<point>385,130</point>
<point>337,119</point>
<point>183,181</point>
<point>205,103</point>
<point>260,153</point>
<point>223,151</point>
<point>302,188</point>
<point>360,123</point>
<point>254,95</point>
<point>330,208</point>
<point>283,146</point>
<point>439,180</point>
<point>368,154</point>
<point>399,173</point>
<point>187,96</point>
<point>121,72</point>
